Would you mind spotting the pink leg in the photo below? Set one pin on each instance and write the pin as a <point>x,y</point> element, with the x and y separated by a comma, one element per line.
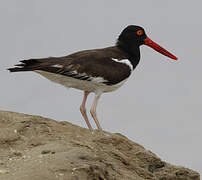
<point>83,109</point>
<point>93,112</point>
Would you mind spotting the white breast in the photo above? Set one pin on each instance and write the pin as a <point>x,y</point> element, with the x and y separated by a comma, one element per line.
<point>91,86</point>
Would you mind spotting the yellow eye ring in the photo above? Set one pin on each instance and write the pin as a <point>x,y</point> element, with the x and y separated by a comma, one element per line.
<point>140,32</point>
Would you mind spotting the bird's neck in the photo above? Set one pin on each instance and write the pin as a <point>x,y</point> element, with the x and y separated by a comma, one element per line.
<point>133,52</point>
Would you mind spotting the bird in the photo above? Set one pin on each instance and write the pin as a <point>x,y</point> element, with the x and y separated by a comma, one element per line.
<point>95,71</point>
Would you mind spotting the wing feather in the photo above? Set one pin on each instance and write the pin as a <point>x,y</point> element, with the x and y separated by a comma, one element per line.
<point>91,65</point>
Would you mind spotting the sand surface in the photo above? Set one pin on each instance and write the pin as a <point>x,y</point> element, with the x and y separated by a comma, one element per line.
<point>37,148</point>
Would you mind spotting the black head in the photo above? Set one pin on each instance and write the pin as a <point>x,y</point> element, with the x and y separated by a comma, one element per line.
<point>132,37</point>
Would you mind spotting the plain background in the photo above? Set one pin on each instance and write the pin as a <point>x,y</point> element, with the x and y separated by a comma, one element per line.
<point>159,107</point>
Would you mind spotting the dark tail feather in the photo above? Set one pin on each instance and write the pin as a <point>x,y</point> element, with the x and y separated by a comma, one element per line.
<point>25,65</point>
<point>17,69</point>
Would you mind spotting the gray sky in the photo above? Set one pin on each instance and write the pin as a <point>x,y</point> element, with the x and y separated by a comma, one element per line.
<point>159,107</point>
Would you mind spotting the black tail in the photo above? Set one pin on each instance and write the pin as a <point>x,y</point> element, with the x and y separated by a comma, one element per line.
<point>26,65</point>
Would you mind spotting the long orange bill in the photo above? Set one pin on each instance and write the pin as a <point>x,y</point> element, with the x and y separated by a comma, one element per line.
<point>158,48</point>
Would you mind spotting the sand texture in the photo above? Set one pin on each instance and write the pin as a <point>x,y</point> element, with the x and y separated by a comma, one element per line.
<point>37,148</point>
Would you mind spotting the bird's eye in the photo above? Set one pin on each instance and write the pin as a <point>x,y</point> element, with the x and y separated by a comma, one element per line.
<point>140,32</point>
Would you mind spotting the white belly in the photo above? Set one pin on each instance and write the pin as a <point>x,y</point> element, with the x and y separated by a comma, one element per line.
<point>70,82</point>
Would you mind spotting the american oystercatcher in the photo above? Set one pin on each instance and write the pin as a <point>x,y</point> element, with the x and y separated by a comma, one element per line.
<point>97,70</point>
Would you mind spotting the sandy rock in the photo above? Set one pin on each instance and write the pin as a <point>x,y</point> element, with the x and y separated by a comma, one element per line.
<point>37,148</point>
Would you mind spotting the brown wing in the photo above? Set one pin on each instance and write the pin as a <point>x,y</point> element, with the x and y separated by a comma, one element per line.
<point>85,65</point>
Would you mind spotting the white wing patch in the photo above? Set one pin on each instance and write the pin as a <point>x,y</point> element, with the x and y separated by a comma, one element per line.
<point>124,61</point>
<point>57,66</point>
<point>84,76</point>
<point>92,79</point>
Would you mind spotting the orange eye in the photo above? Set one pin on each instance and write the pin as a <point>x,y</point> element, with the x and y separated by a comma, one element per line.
<point>139,32</point>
